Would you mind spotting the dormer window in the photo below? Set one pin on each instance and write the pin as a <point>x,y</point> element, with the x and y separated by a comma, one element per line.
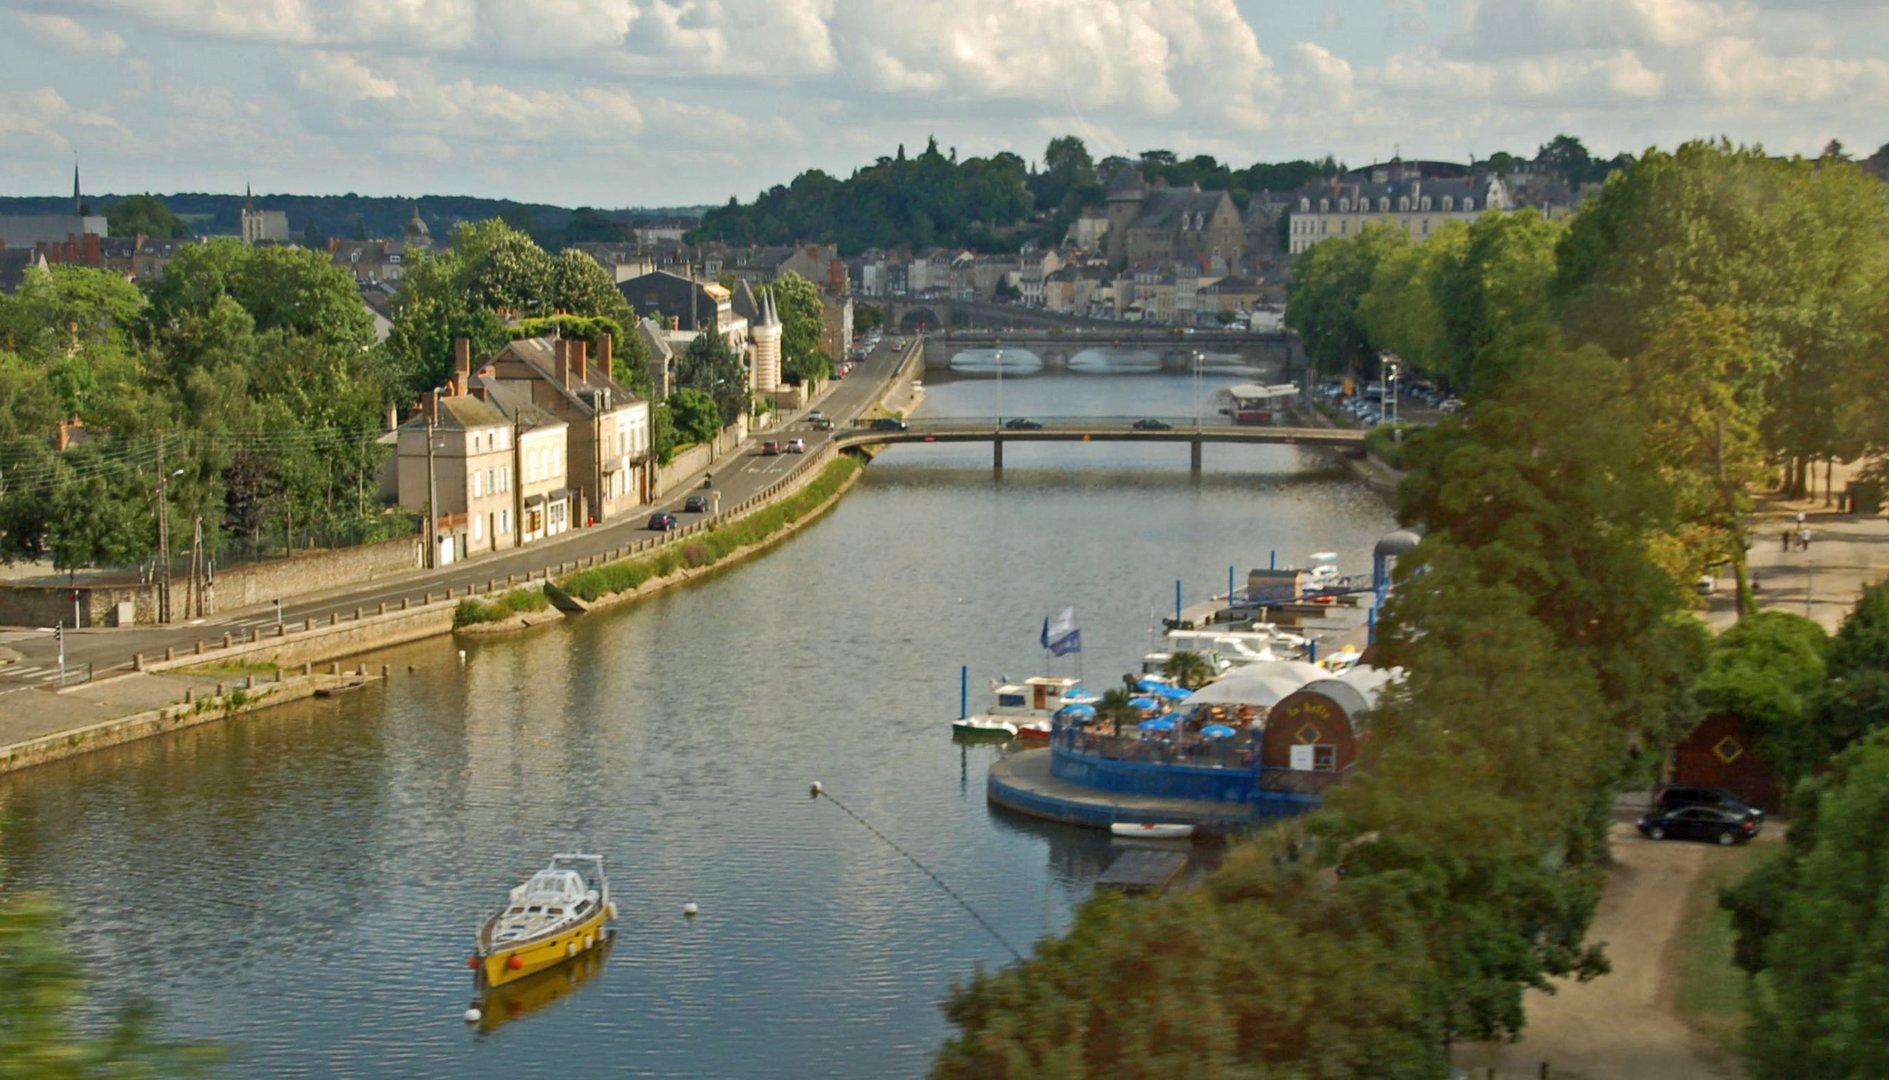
<point>1324,206</point>
<point>1403,204</point>
<point>1449,203</point>
<point>1426,204</point>
<point>1305,206</point>
<point>1469,204</point>
<point>1383,204</point>
<point>1344,206</point>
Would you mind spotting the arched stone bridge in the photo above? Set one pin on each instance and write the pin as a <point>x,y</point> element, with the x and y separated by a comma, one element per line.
<point>1274,356</point>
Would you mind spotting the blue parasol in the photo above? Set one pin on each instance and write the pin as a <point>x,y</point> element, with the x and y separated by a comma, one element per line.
<point>1159,723</point>
<point>1075,712</point>
<point>1142,702</point>
<point>1216,731</point>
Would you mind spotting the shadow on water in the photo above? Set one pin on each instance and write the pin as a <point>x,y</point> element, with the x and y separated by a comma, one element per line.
<point>516,1001</point>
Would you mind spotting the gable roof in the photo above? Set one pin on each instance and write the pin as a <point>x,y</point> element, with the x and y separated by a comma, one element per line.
<point>1162,208</point>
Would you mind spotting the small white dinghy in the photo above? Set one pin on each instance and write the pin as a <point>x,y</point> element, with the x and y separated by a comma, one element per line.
<point>1151,830</point>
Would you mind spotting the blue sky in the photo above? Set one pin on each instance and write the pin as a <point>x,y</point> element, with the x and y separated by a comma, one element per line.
<point>668,102</point>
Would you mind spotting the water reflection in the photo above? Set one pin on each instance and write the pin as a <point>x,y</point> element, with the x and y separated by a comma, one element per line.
<point>1113,360</point>
<point>1011,362</point>
<point>515,1001</point>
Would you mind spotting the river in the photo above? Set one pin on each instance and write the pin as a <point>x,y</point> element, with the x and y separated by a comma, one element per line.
<point>303,883</point>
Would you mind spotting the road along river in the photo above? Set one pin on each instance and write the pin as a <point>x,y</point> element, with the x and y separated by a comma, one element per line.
<point>304,883</point>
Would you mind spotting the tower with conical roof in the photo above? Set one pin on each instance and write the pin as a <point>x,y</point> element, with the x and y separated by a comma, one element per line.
<point>1126,193</point>
<point>765,337</point>
<point>78,204</point>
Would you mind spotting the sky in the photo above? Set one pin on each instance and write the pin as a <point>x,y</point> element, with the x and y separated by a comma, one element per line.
<point>618,103</point>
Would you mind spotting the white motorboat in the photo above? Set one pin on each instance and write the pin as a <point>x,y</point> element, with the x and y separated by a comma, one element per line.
<point>1151,830</point>
<point>1025,705</point>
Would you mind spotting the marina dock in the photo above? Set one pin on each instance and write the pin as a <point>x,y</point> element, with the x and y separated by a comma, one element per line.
<point>1139,871</point>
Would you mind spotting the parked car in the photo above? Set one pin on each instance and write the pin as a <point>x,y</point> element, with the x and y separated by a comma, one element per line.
<point>663,521</point>
<point>695,504</point>
<point>1023,423</point>
<point>1450,405</point>
<point>1676,796</point>
<point>796,446</point>
<point>888,423</point>
<point>1151,424</point>
<point>1700,823</point>
<point>770,448</point>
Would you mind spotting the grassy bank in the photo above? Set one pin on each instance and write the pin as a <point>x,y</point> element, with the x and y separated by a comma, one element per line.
<point>471,612</point>
<point>1710,996</point>
<point>714,545</point>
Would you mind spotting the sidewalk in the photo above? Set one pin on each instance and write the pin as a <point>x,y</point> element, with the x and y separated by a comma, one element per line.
<point>1847,553</point>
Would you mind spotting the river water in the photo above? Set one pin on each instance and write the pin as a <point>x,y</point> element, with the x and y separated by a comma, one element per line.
<point>303,884</point>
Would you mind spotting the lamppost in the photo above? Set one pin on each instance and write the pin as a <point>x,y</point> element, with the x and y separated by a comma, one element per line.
<point>1198,356</point>
<point>1000,388</point>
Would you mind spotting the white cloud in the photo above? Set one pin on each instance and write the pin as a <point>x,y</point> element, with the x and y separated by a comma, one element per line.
<point>41,119</point>
<point>70,35</point>
<point>1518,27</point>
<point>1738,70</point>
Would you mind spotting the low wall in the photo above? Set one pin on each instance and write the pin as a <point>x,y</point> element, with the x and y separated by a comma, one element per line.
<point>261,582</point>
<point>45,605</point>
<point>686,464</point>
<point>326,641</point>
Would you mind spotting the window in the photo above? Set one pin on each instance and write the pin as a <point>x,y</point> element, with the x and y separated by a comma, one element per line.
<point>1324,206</point>
<point>491,481</point>
<point>1469,204</point>
<point>1403,204</point>
<point>1426,204</point>
<point>475,485</point>
<point>1449,203</point>
<point>505,475</point>
<point>531,466</point>
<point>1344,206</point>
<point>478,527</point>
<point>504,522</point>
<point>1383,204</point>
<point>504,438</point>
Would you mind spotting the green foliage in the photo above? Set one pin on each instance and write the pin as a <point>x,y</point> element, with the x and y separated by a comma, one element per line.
<point>41,1035</point>
<point>715,544</point>
<point>1386,442</point>
<point>1862,642</point>
<point>866,316</point>
<point>798,301</point>
<point>1768,670</point>
<point>1817,1003</point>
<point>708,365</point>
<point>1188,669</point>
<point>1323,305</point>
<point>694,415</point>
<point>472,611</point>
<point>144,215</point>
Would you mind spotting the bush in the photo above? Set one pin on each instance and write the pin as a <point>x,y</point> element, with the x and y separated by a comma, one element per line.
<point>471,611</point>
<point>712,546</point>
<point>1382,444</point>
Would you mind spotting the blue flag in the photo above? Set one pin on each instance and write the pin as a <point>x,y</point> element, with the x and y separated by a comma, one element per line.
<point>1060,635</point>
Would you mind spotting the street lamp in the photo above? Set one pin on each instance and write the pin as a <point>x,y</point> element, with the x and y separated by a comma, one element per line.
<point>1197,359</point>
<point>1000,388</point>
<point>1390,382</point>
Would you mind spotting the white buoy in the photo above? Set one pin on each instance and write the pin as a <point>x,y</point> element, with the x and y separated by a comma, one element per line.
<point>472,1016</point>
<point>690,909</point>
<point>817,789</point>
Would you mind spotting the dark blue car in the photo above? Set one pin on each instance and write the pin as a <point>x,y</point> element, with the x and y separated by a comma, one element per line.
<point>663,521</point>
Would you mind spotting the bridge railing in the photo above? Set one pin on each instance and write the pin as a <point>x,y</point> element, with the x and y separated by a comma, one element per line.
<point>1016,423</point>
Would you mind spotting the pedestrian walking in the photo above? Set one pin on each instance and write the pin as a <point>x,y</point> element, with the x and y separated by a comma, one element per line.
<point>1803,538</point>
<point>1800,519</point>
<point>1787,538</point>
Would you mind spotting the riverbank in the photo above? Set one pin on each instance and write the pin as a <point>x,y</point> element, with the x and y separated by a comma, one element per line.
<point>162,694</point>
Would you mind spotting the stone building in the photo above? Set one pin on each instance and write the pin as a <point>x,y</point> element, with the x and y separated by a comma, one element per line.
<point>1341,207</point>
<point>1163,224</point>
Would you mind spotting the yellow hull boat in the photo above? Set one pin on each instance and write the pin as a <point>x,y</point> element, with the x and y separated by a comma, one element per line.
<point>556,915</point>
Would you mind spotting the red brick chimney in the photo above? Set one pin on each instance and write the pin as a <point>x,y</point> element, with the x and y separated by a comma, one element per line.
<point>605,354</point>
<point>675,322</point>
<point>429,406</point>
<point>561,365</point>
<point>580,361</point>
<point>462,364</point>
<point>94,253</point>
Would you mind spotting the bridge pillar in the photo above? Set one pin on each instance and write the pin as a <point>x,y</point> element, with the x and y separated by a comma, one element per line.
<point>1194,463</point>
<point>997,455</point>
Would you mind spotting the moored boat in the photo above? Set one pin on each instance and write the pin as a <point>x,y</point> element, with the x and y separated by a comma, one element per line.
<point>1152,830</point>
<point>1022,709</point>
<point>557,914</point>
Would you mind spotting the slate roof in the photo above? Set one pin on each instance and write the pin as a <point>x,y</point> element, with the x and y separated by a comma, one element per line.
<point>1126,181</point>
<point>1162,208</point>
<point>744,303</point>
<point>14,263</point>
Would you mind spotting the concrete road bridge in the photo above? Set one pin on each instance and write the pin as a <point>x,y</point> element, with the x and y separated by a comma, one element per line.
<point>1179,430</point>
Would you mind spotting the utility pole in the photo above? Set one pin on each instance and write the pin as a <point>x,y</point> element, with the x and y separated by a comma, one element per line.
<point>163,533</point>
<point>196,571</point>
<point>432,496</point>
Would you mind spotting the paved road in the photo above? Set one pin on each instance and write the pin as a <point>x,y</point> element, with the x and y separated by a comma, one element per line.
<point>29,656</point>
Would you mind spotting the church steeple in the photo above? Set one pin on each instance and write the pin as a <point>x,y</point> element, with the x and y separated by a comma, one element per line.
<point>78,204</point>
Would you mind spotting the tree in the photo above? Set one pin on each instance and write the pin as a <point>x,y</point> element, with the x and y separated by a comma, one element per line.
<point>802,322</point>
<point>1188,669</point>
<point>1816,1004</point>
<point>1768,671</point>
<point>144,215</point>
<point>1322,307</point>
<point>41,1034</point>
<point>1114,708</point>
<point>708,365</point>
<point>694,415</point>
<point>100,514</point>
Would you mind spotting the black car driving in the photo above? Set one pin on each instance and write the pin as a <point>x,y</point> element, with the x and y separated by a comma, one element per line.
<point>1723,827</point>
<point>662,521</point>
<point>1023,423</point>
<point>1151,424</point>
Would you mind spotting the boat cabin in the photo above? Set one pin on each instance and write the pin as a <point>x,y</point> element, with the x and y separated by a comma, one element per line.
<point>1040,695</point>
<point>1255,404</point>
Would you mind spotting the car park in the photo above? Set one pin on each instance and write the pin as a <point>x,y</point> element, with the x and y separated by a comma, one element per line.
<point>695,504</point>
<point>1724,827</point>
<point>1676,796</point>
<point>1151,424</point>
<point>796,446</point>
<point>662,521</point>
<point>1022,423</point>
<point>770,447</point>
